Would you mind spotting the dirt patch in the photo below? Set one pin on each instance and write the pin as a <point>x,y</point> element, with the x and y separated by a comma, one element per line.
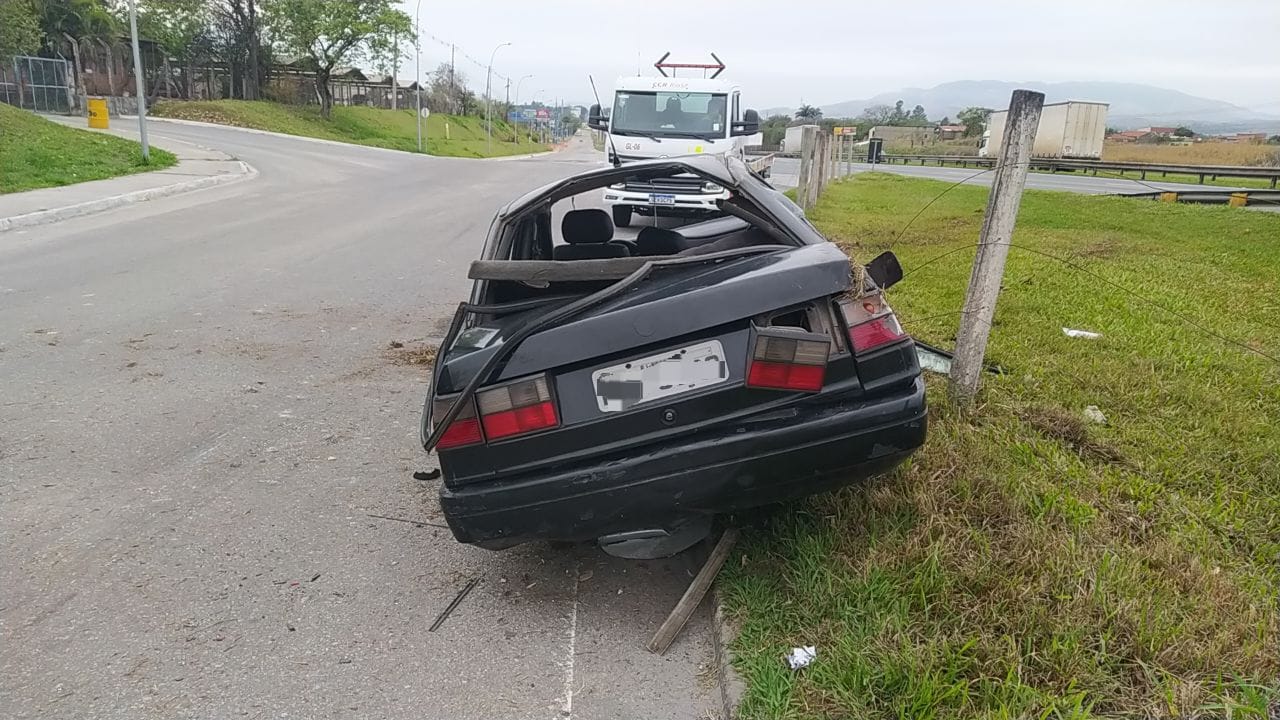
<point>401,354</point>
<point>1072,430</point>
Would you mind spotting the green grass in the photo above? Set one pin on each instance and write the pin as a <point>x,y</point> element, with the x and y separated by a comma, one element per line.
<point>394,129</point>
<point>1028,563</point>
<point>37,153</point>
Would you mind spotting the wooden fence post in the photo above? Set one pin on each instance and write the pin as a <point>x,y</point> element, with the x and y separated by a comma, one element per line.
<point>808,145</point>
<point>993,243</point>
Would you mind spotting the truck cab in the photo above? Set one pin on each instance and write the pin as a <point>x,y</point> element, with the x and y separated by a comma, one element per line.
<point>665,117</point>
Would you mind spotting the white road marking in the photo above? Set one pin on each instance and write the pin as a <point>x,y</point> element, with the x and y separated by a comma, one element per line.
<point>566,704</point>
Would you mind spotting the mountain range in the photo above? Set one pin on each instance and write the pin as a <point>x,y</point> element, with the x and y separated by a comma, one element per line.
<point>1132,105</point>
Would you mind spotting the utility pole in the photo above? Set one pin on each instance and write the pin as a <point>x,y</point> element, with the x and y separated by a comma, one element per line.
<point>417,72</point>
<point>488,101</point>
<point>395,66</point>
<point>993,243</point>
<point>526,77</point>
<point>453,90</point>
<point>142,89</point>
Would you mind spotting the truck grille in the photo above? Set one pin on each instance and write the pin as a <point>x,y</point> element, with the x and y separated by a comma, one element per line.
<point>681,186</point>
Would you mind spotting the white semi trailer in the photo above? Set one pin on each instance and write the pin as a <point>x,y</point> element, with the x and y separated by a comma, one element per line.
<point>1068,130</point>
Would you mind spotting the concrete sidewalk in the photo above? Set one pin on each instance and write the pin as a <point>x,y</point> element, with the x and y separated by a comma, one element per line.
<point>198,167</point>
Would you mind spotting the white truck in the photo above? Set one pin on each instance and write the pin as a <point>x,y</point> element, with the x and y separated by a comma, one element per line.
<point>792,140</point>
<point>1068,130</point>
<point>667,116</point>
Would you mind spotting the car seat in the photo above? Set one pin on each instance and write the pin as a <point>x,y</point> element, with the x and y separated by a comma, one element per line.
<point>588,234</point>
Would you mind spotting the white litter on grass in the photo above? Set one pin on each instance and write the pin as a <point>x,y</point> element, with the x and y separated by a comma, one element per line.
<point>1094,414</point>
<point>801,656</point>
<point>1086,334</point>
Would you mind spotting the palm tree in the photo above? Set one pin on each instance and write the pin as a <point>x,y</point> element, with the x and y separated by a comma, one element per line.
<point>808,112</point>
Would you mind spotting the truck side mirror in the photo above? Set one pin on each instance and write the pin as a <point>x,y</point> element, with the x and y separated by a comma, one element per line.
<point>750,124</point>
<point>595,120</point>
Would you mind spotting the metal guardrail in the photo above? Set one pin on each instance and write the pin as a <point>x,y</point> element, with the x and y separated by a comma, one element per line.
<point>1235,198</point>
<point>1213,172</point>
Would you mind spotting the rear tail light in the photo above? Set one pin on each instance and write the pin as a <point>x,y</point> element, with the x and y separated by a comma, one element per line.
<point>871,321</point>
<point>521,407</point>
<point>464,430</point>
<point>788,363</point>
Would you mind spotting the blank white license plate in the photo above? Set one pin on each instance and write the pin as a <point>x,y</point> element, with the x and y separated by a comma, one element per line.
<point>662,199</point>
<point>645,380</point>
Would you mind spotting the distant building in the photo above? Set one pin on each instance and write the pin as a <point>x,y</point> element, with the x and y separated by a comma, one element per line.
<point>905,135</point>
<point>1250,138</point>
<point>1161,131</point>
<point>951,132</point>
<point>1127,136</point>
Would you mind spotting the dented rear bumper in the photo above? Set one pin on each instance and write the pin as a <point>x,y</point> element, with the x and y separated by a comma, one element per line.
<point>771,457</point>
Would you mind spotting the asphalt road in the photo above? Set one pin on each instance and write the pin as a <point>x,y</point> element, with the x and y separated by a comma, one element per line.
<point>201,415</point>
<point>787,170</point>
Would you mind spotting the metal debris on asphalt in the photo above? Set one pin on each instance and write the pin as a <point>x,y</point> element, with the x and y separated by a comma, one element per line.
<point>427,474</point>
<point>406,520</point>
<point>444,614</point>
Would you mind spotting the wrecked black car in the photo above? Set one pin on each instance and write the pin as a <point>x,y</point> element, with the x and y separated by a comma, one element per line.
<point>624,385</point>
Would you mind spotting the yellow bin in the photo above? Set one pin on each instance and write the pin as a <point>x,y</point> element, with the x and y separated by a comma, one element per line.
<point>98,113</point>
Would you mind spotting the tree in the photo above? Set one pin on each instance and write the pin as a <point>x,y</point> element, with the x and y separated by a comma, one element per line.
<point>774,128</point>
<point>918,116</point>
<point>77,18</point>
<point>238,43</point>
<point>1185,132</point>
<point>899,116</point>
<point>570,123</point>
<point>876,115</point>
<point>19,28</point>
<point>328,33</point>
<point>808,112</point>
<point>974,120</point>
<point>183,29</point>
<point>1273,140</point>
<point>946,120</point>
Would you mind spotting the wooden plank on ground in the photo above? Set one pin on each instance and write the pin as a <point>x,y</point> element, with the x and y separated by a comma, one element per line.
<point>697,590</point>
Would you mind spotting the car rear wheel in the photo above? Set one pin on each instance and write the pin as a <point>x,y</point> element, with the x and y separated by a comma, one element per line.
<point>621,215</point>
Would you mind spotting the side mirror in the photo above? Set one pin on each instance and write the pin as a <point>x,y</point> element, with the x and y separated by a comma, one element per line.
<point>750,124</point>
<point>595,120</point>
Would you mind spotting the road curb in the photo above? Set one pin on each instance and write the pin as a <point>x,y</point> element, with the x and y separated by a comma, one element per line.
<point>323,141</point>
<point>51,215</point>
<point>722,637</point>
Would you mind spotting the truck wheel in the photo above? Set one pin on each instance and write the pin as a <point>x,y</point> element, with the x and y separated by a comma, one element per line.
<point>621,215</point>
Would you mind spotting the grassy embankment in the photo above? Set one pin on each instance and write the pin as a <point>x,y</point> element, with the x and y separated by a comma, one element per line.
<point>37,153</point>
<point>1028,562</point>
<point>394,129</point>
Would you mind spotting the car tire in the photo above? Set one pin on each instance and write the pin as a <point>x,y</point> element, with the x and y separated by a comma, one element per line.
<point>621,215</point>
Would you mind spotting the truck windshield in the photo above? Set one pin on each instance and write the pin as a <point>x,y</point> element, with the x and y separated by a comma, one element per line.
<point>670,114</point>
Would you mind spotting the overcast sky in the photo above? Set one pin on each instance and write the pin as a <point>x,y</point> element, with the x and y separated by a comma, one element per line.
<point>823,52</point>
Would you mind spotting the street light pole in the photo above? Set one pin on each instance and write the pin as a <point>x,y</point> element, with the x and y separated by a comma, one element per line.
<point>142,90</point>
<point>417,49</point>
<point>526,77</point>
<point>488,100</point>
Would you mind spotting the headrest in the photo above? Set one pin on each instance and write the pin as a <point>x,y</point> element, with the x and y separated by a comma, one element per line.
<point>586,227</point>
<point>660,241</point>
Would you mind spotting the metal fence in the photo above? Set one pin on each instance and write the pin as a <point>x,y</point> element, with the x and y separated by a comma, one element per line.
<point>36,83</point>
